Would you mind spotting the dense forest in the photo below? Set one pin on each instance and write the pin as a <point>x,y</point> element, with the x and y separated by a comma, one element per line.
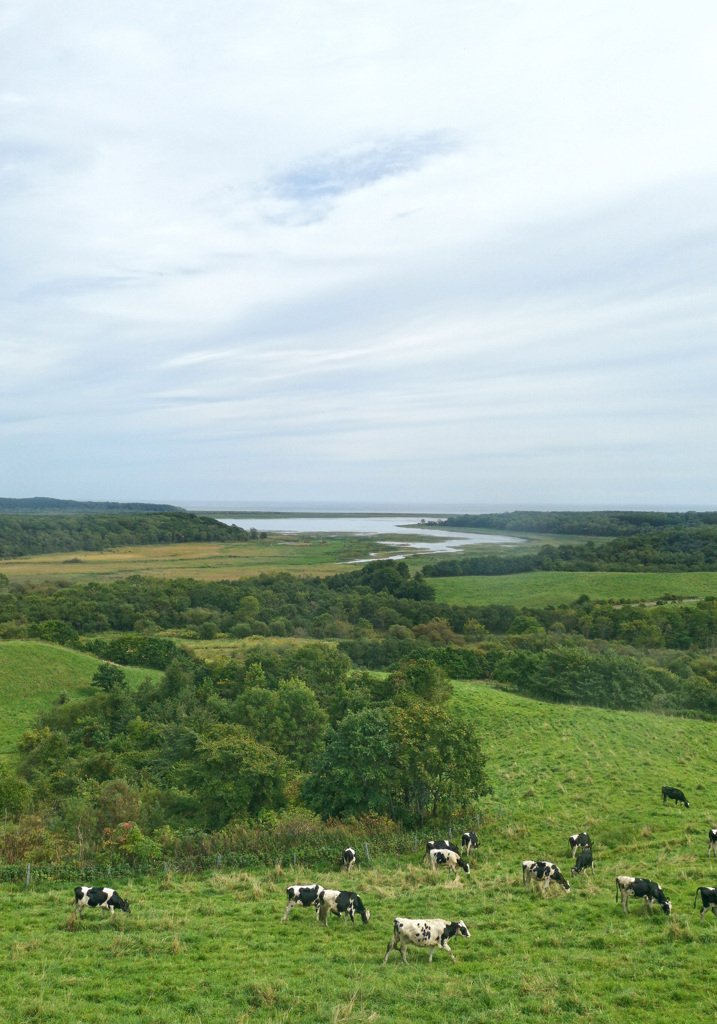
<point>43,534</point>
<point>581,524</point>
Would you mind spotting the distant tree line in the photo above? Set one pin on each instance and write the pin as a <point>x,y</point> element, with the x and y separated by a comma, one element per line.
<point>43,534</point>
<point>587,524</point>
<point>61,506</point>
<point>683,549</point>
<point>380,600</point>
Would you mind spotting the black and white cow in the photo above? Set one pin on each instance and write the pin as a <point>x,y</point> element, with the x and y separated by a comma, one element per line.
<point>449,859</point>
<point>583,860</point>
<point>302,896</point>
<point>578,841</point>
<point>543,872</point>
<point>640,888</point>
<point>338,902</point>
<point>668,793</point>
<point>431,932</point>
<point>469,841</point>
<point>712,842</point>
<point>709,900</point>
<point>348,858</point>
<point>439,844</point>
<point>106,899</point>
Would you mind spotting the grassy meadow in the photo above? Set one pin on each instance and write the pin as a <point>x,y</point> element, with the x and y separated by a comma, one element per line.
<point>213,949</point>
<point>306,555</point>
<point>539,589</point>
<point>33,674</point>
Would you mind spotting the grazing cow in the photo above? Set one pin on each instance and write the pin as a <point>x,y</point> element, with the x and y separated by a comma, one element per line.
<point>302,896</point>
<point>583,860</point>
<point>335,901</point>
<point>431,932</point>
<point>578,841</point>
<point>712,838</point>
<point>450,860</point>
<point>668,793</point>
<point>709,900</point>
<point>543,872</point>
<point>348,858</point>
<point>640,888</point>
<point>106,899</point>
<point>469,841</point>
<point>439,844</point>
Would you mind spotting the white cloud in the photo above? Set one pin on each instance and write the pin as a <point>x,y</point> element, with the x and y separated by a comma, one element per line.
<point>323,250</point>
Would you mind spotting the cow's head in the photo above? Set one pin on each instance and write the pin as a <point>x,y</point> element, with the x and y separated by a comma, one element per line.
<point>564,882</point>
<point>464,864</point>
<point>462,930</point>
<point>365,916</point>
<point>124,905</point>
<point>666,905</point>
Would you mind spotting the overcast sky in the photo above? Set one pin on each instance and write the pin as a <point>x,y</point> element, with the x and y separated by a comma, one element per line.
<point>403,253</point>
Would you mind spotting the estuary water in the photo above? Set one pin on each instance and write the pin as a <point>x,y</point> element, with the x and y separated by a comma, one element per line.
<point>437,539</point>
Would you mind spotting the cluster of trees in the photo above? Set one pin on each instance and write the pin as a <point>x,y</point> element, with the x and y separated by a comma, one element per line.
<point>31,534</point>
<point>378,596</point>
<point>582,524</point>
<point>567,670</point>
<point>212,744</point>
<point>674,549</point>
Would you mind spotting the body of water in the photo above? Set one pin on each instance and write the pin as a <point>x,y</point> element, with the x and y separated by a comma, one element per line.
<point>436,539</point>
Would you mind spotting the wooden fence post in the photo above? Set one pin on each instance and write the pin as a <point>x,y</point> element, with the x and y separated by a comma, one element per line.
<point>368,856</point>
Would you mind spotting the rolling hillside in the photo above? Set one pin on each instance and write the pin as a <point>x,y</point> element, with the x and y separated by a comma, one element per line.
<point>214,949</point>
<point>33,674</point>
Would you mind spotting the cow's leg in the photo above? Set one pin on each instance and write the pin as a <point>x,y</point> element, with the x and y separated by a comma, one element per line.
<point>112,911</point>
<point>546,883</point>
<point>449,951</point>
<point>625,904</point>
<point>404,944</point>
<point>702,913</point>
<point>526,879</point>
<point>391,945</point>
<point>433,864</point>
<point>430,955</point>
<point>289,907</point>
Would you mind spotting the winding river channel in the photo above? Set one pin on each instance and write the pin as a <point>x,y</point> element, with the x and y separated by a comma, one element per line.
<point>405,532</point>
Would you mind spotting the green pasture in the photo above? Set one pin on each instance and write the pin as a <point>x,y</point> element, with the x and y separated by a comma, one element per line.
<point>33,674</point>
<point>213,949</point>
<point>539,589</point>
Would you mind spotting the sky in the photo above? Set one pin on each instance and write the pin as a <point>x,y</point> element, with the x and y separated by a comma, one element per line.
<point>394,254</point>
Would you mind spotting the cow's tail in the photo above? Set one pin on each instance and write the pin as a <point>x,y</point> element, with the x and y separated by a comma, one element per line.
<point>617,891</point>
<point>694,901</point>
